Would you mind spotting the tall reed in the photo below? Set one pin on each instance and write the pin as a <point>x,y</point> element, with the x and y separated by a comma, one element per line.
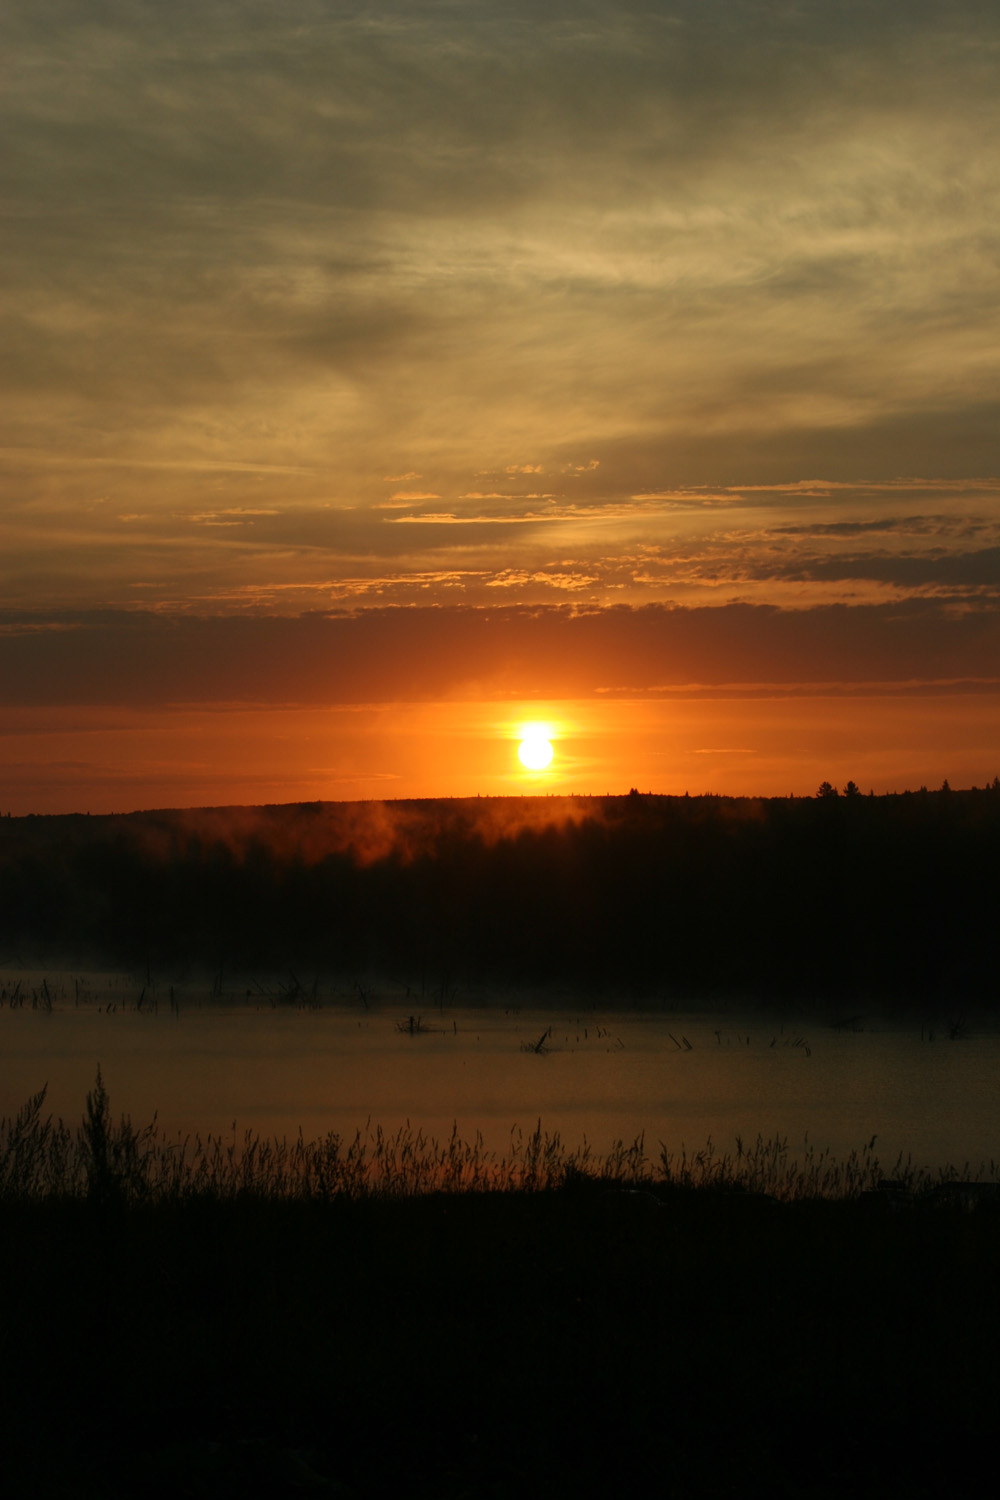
<point>105,1160</point>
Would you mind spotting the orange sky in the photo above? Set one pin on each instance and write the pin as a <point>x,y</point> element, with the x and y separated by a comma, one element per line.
<point>107,760</point>
<point>369,371</point>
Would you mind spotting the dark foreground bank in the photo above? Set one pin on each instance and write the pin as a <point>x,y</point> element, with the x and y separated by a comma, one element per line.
<point>582,1340</point>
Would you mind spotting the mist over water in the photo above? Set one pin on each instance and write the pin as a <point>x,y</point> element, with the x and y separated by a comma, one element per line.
<point>676,1078</point>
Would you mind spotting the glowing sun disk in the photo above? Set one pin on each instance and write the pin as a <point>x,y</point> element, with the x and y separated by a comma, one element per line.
<point>535,751</point>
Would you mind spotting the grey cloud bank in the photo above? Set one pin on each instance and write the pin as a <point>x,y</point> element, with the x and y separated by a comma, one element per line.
<point>540,265</point>
<point>381,655</point>
<point>322,233</point>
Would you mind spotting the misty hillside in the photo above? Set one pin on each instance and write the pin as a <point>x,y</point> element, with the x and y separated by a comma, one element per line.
<point>890,898</point>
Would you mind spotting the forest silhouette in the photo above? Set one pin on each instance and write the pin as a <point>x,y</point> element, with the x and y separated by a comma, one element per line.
<point>838,896</point>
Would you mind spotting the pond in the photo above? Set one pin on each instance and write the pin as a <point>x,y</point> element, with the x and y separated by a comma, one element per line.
<point>205,1064</point>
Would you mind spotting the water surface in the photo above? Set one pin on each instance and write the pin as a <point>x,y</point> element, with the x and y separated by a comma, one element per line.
<point>674,1078</point>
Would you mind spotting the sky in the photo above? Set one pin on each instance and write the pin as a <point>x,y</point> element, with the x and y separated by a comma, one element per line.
<point>380,378</point>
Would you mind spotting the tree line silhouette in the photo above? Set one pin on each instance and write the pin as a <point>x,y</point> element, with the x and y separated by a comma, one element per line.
<point>890,898</point>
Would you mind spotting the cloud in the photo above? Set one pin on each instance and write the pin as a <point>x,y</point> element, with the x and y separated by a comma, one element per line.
<point>551,578</point>
<point>942,571</point>
<point>234,516</point>
<point>502,518</point>
<point>906,524</point>
<point>743,251</point>
<point>385,654</point>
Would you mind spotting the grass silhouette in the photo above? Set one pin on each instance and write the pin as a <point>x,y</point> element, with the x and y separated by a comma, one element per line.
<point>390,1315</point>
<point>102,1159</point>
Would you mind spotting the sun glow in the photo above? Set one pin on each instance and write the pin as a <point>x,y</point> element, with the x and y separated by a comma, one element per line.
<point>535,750</point>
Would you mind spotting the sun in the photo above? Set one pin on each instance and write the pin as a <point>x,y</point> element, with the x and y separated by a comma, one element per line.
<point>535,750</point>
